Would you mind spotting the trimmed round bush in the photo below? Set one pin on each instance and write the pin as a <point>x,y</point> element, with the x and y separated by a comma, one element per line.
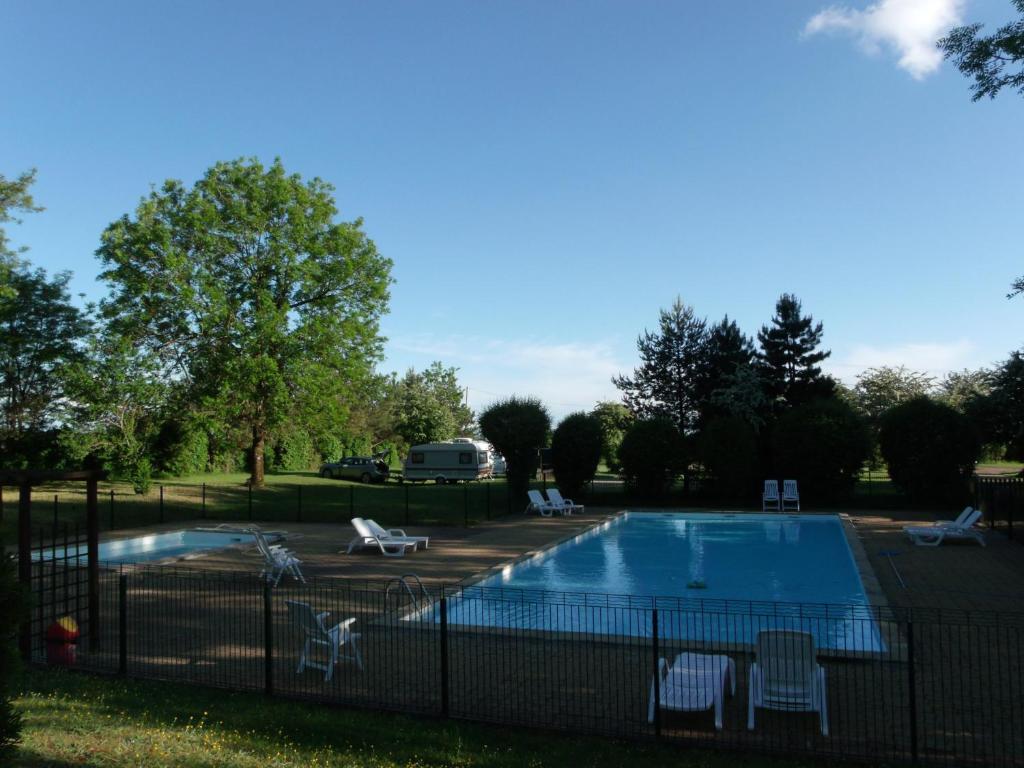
<point>651,454</point>
<point>930,450</point>
<point>517,428</point>
<point>727,447</point>
<point>822,445</point>
<point>576,451</point>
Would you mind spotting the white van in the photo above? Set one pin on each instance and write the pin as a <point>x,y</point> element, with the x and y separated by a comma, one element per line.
<point>448,462</point>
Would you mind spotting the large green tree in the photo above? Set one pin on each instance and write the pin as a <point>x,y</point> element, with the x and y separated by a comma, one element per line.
<point>1004,406</point>
<point>41,334</point>
<point>879,389</point>
<point>250,294</point>
<point>668,382</point>
<point>990,59</point>
<point>14,197</point>
<point>614,419</point>
<point>518,428</point>
<point>790,353</point>
<point>428,406</point>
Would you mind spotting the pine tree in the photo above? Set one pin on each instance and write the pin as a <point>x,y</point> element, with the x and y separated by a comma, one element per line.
<point>726,350</point>
<point>789,356</point>
<point>667,383</point>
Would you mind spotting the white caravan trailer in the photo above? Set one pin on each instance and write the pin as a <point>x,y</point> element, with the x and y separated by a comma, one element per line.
<point>447,462</point>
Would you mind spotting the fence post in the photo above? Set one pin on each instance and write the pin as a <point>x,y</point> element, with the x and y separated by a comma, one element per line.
<point>656,654</point>
<point>406,503</point>
<point>268,639</point>
<point>487,502</point>
<point>203,513</point>
<point>912,682</point>
<point>465,505</point>
<point>111,509</point>
<point>122,624</point>
<point>444,654</point>
<point>351,501</point>
<point>161,503</point>
<point>250,500</point>
<point>55,497</point>
<point>300,505</point>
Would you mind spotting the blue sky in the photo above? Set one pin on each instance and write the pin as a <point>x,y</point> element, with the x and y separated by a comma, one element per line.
<point>546,175</point>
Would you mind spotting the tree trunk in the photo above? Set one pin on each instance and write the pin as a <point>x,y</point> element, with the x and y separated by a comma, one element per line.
<point>259,439</point>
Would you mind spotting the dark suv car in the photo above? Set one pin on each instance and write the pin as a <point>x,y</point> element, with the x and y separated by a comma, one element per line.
<point>365,469</point>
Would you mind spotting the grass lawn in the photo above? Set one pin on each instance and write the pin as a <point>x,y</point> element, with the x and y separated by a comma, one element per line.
<point>73,719</point>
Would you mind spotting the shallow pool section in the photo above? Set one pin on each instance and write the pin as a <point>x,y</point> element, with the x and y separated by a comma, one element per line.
<point>713,577</point>
<point>156,546</point>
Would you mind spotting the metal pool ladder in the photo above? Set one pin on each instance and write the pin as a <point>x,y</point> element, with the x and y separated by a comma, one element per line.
<point>401,582</point>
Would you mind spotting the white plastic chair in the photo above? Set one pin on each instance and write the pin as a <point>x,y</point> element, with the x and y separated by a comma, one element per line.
<point>961,529</point>
<point>786,676</point>
<point>396,535</point>
<point>770,498</point>
<point>315,634</point>
<point>695,682</point>
<point>277,561</point>
<point>542,505</point>
<point>555,497</point>
<point>365,537</point>
<point>790,496</point>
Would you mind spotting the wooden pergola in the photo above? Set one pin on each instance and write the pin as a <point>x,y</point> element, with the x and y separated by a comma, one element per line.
<point>24,479</point>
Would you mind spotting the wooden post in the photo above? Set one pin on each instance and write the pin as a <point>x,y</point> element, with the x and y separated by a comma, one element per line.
<point>92,517</point>
<point>25,560</point>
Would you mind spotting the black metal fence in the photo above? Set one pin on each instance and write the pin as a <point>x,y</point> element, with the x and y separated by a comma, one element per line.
<point>927,686</point>
<point>1001,499</point>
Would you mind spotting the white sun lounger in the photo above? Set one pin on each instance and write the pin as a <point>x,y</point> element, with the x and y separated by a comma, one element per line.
<point>396,534</point>
<point>695,682</point>
<point>545,507</point>
<point>315,634</point>
<point>770,498</point>
<point>366,538</point>
<point>960,520</point>
<point>790,496</point>
<point>277,561</point>
<point>961,529</point>
<point>786,676</point>
<point>555,497</point>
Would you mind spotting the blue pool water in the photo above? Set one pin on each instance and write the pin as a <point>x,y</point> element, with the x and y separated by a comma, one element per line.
<point>155,546</point>
<point>713,577</point>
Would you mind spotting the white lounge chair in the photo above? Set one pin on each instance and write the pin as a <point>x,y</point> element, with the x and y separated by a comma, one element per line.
<point>695,682</point>
<point>542,505</point>
<point>960,520</point>
<point>396,535</point>
<point>961,529</point>
<point>555,497</point>
<point>277,561</point>
<point>315,634</point>
<point>790,496</point>
<point>770,498</point>
<point>365,537</point>
<point>786,676</point>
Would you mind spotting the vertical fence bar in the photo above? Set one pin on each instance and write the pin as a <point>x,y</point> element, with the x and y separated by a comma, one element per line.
<point>487,502</point>
<point>111,509</point>
<point>250,499</point>
<point>912,690</point>
<point>203,508</point>
<point>351,501</point>
<point>444,654</point>
<point>655,660</point>
<point>299,515</point>
<point>268,639</point>
<point>406,503</point>
<point>465,505</point>
<point>122,624</point>
<point>55,498</point>
<point>161,503</point>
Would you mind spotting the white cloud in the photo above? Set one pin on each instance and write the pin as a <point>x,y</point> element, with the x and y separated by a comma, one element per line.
<point>934,358</point>
<point>910,28</point>
<point>566,376</point>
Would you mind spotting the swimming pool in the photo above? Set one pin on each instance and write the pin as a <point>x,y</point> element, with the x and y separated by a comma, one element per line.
<point>713,577</point>
<point>155,546</point>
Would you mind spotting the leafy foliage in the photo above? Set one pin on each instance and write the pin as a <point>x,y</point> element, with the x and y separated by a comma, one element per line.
<point>576,450</point>
<point>789,355</point>
<point>12,611</point>
<point>668,382</point>
<point>930,450</point>
<point>727,446</point>
<point>1002,412</point>
<point>651,454</point>
<point>428,406</point>
<point>823,445</point>
<point>879,389</point>
<point>40,335</point>
<point>727,351</point>
<point>986,58</point>
<point>614,419</point>
<point>518,428</point>
<point>250,295</point>
<point>14,196</point>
